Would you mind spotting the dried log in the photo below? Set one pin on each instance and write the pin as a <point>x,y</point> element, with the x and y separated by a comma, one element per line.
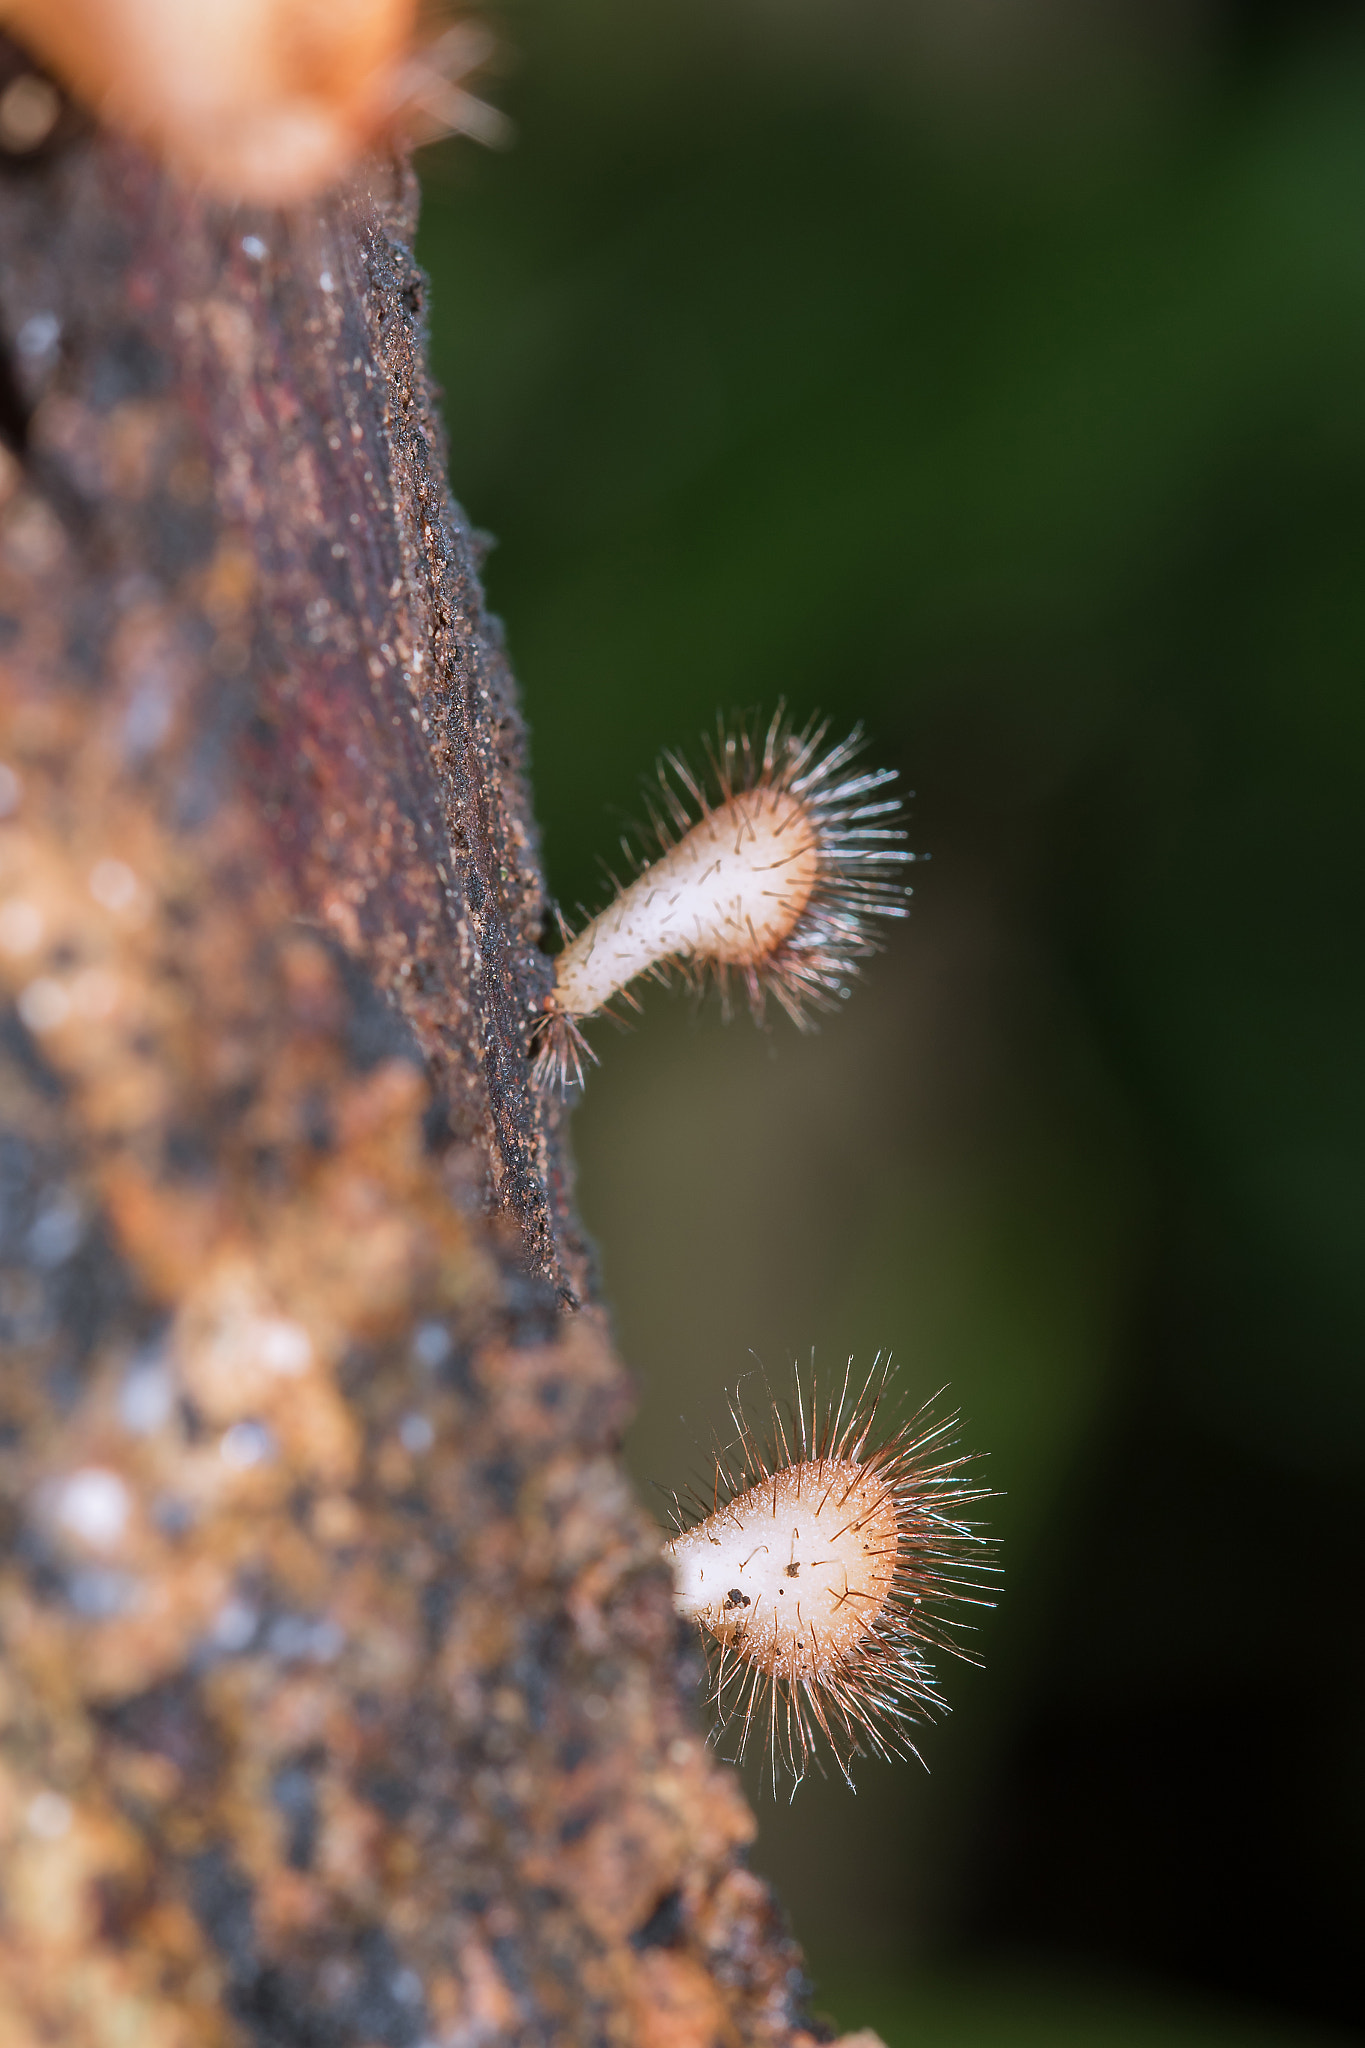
<point>341,1697</point>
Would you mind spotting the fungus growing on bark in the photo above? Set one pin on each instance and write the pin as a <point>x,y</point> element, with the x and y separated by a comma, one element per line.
<point>262,100</point>
<point>774,875</point>
<point>819,1573</point>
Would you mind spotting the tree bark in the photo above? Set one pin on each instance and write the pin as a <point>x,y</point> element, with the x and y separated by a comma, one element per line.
<point>341,1697</point>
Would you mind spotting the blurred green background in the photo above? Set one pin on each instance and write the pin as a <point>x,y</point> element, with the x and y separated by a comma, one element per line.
<point>992,371</point>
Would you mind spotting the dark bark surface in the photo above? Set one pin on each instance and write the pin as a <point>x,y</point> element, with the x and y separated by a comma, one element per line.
<point>341,1699</point>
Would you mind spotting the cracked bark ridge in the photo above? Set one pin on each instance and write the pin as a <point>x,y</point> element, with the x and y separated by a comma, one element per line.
<point>341,1698</point>
<point>277,452</point>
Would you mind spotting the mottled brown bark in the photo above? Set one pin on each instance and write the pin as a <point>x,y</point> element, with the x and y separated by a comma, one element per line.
<point>341,1700</point>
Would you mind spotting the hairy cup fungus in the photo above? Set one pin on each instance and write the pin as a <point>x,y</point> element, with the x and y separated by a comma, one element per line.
<point>261,100</point>
<point>774,876</point>
<point>818,1574</point>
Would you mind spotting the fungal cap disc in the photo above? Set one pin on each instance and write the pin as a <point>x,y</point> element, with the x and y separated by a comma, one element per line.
<point>796,1569</point>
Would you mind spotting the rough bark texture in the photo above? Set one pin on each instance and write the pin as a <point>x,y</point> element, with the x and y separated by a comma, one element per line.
<point>341,1699</point>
